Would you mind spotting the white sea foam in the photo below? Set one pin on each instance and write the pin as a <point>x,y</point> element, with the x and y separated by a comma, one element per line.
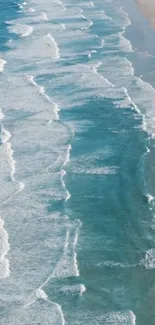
<point>21,186</point>
<point>149,259</point>
<point>133,317</point>
<point>118,318</point>
<point>106,170</point>
<point>20,6</point>
<point>67,159</point>
<point>52,42</point>
<point>92,3</point>
<point>4,245</point>
<point>2,64</point>
<point>87,79</point>
<point>9,152</point>
<point>42,92</point>
<point>116,43</point>
<point>105,16</point>
<point>4,248</point>
<point>11,161</point>
<point>45,144</point>
<point>127,21</point>
<point>22,30</point>
<point>63,26</point>
<point>95,67</point>
<point>89,22</point>
<point>67,266</point>
<point>31,10</point>
<point>127,102</point>
<point>39,137</point>
<point>44,16</point>
<point>36,309</point>
<point>82,289</point>
<point>4,268</point>
<point>66,239</point>
<point>113,264</point>
<point>63,173</point>
<point>59,310</point>
<point>40,293</point>
<point>61,4</point>
<point>73,289</point>
<point>149,197</point>
<point>1,115</point>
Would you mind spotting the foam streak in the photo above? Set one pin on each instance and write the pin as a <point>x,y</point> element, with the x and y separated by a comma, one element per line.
<point>43,93</point>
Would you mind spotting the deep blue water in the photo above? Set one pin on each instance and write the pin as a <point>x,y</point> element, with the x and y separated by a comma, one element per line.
<point>77,244</point>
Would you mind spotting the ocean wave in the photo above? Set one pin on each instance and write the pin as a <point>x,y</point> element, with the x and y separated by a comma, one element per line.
<point>113,264</point>
<point>5,137</point>
<point>149,196</point>
<point>38,134</point>
<point>90,22</point>
<point>68,195</point>
<point>2,64</point>
<point>44,16</point>
<point>42,92</point>
<point>4,248</point>
<point>105,16</point>
<point>41,309</point>
<point>117,42</point>
<point>149,260</point>
<point>92,78</point>
<point>67,266</point>
<point>51,42</point>
<point>106,170</point>
<point>73,289</point>
<point>20,6</point>
<point>67,159</point>
<point>120,18</point>
<point>31,10</point>
<point>115,317</point>
<point>61,4</point>
<point>4,268</point>
<point>63,172</point>
<point>121,318</point>
<point>22,30</point>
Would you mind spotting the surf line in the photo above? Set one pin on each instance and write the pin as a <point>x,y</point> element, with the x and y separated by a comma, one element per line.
<point>5,142</point>
<point>41,90</point>
<point>40,293</point>
<point>63,171</point>
<point>4,241</point>
<point>72,229</point>
<point>90,22</point>
<point>11,162</point>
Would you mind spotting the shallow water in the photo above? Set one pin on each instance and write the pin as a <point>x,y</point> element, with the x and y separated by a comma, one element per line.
<point>77,164</point>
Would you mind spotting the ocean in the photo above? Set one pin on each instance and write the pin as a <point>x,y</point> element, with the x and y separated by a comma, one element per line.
<point>77,151</point>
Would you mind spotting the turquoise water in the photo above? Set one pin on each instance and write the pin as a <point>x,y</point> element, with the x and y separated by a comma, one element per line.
<point>77,242</point>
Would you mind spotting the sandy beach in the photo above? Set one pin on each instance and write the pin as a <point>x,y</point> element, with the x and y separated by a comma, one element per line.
<point>147,7</point>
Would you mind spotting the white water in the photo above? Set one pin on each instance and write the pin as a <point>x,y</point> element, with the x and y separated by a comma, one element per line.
<point>40,135</point>
<point>22,30</point>
<point>2,64</point>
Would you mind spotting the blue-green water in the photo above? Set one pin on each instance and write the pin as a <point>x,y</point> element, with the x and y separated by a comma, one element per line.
<point>77,242</point>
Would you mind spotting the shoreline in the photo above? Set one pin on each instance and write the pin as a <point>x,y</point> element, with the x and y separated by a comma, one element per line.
<point>142,37</point>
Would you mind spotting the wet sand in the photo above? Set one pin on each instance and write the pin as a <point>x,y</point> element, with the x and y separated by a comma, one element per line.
<point>147,7</point>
